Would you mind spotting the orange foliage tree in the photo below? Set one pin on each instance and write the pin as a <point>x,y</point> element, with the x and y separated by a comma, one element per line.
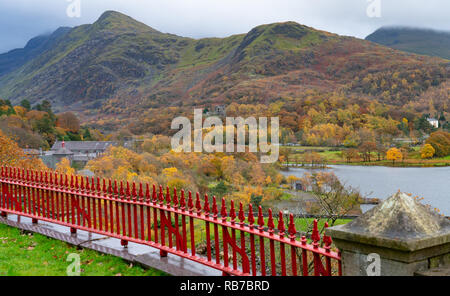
<point>11,155</point>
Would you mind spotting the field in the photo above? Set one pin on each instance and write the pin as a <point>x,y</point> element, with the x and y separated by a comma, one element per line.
<point>332,155</point>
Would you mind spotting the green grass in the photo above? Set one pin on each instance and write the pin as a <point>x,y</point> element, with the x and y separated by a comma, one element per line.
<point>335,157</point>
<point>27,254</point>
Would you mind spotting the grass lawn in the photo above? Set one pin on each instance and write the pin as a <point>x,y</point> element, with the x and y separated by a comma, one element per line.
<point>25,254</point>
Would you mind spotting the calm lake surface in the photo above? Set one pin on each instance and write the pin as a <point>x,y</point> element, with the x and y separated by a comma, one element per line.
<point>433,184</point>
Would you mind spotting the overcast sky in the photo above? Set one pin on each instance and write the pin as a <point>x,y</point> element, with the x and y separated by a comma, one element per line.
<point>21,20</point>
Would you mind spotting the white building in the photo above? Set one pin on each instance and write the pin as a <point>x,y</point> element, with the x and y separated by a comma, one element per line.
<point>434,122</point>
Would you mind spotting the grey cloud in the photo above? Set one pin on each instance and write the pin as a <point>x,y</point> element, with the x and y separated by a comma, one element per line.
<point>22,19</point>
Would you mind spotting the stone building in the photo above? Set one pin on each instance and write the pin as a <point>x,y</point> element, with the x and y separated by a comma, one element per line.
<point>79,152</point>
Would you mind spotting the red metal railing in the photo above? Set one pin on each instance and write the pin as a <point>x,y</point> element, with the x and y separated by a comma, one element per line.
<point>173,223</point>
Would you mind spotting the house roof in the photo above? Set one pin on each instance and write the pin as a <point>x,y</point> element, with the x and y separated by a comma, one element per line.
<point>83,145</point>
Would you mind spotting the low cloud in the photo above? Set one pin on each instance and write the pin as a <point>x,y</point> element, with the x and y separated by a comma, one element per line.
<point>23,19</point>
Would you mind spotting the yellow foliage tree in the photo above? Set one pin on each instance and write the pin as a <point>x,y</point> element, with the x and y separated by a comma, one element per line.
<point>63,167</point>
<point>427,151</point>
<point>11,155</point>
<point>394,154</point>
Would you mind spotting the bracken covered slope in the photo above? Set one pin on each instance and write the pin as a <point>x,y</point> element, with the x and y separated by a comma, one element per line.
<point>124,70</point>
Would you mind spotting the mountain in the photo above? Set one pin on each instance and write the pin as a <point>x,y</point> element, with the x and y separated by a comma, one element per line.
<point>419,41</point>
<point>18,57</point>
<point>119,72</point>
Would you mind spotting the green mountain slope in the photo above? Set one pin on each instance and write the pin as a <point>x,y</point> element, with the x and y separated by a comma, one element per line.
<point>420,41</point>
<point>131,73</point>
<point>18,57</point>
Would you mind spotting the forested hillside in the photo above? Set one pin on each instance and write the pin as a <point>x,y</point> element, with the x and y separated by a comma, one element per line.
<point>326,89</point>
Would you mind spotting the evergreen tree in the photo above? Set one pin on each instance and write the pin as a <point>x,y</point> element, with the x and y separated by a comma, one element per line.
<point>26,104</point>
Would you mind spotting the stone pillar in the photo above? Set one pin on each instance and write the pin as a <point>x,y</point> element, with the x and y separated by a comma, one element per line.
<point>399,237</point>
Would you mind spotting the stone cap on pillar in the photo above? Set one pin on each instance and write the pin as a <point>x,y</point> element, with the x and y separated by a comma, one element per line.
<point>400,223</point>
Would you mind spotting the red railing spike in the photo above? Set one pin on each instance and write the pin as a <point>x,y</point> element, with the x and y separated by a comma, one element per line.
<point>127,191</point>
<point>168,199</point>
<point>215,211</point>
<point>206,207</point>
<point>190,202</point>
<point>327,239</point>
<point>88,186</point>
<point>147,193</point>
<point>72,184</point>
<point>133,191</point>
<point>154,195</point>
<point>251,218</point>
<point>141,193</point>
<point>241,214</point>
<point>182,201</point>
<point>198,204</point>
<point>82,184</point>
<point>281,226</point>
<point>104,189</point>
<point>232,211</point>
<point>121,190</point>
<point>270,223</point>
<point>116,189</point>
<point>161,195</point>
<point>291,229</point>
<point>315,236</point>
<point>175,198</point>
<point>50,181</point>
<point>223,211</point>
<point>110,189</point>
<point>260,219</point>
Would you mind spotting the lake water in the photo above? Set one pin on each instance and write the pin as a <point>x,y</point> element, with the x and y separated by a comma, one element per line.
<point>433,184</point>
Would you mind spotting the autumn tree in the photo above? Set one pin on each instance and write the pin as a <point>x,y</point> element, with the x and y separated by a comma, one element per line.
<point>366,150</point>
<point>394,154</point>
<point>285,153</point>
<point>11,155</point>
<point>350,154</point>
<point>64,167</point>
<point>440,141</point>
<point>333,198</point>
<point>68,121</point>
<point>427,151</point>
